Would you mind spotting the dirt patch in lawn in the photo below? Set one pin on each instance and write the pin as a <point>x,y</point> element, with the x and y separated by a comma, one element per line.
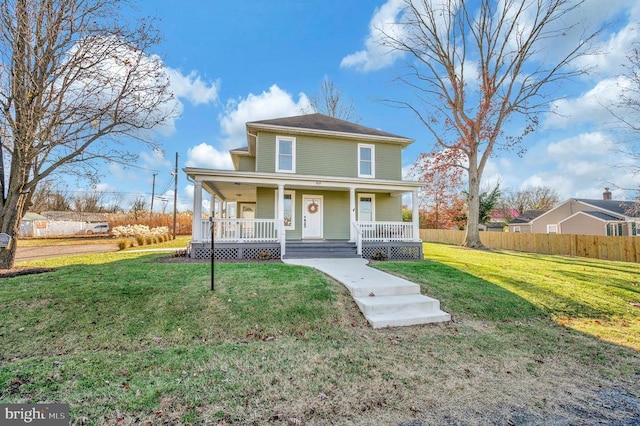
<point>22,270</point>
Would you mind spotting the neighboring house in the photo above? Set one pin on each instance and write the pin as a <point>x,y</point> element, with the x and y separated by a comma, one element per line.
<point>523,222</point>
<point>585,217</point>
<point>308,181</point>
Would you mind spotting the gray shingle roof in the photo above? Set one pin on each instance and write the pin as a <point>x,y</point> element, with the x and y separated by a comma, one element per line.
<point>326,123</point>
<point>527,216</point>
<point>602,215</point>
<point>618,207</point>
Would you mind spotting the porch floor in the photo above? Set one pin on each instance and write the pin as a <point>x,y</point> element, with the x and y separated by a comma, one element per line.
<point>384,299</point>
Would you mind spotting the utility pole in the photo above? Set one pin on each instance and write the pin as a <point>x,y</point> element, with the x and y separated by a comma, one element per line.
<point>153,192</point>
<point>175,196</point>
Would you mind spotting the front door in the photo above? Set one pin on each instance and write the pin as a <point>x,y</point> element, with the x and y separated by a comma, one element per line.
<point>312,216</point>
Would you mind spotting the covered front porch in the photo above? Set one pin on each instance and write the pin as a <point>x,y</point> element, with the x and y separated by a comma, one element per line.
<point>254,215</point>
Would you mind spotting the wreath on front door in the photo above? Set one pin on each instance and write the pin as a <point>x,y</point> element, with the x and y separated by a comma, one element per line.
<point>312,208</point>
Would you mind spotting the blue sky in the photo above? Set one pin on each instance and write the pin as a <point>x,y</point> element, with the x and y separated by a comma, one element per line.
<point>236,61</point>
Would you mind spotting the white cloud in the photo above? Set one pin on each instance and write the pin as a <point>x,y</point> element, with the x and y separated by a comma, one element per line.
<point>206,156</point>
<point>155,159</point>
<point>192,87</point>
<point>592,145</point>
<point>273,103</point>
<point>376,55</point>
<point>590,107</point>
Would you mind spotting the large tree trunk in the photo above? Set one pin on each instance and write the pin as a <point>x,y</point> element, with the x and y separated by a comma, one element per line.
<point>10,218</point>
<point>472,238</point>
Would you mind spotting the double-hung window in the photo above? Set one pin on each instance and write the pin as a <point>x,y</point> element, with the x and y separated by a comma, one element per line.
<point>366,161</point>
<point>285,154</point>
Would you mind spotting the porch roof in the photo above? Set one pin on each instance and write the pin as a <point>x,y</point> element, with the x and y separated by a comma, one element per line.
<point>240,186</point>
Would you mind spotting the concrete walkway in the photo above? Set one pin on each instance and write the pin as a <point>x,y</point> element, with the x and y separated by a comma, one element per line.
<point>384,299</point>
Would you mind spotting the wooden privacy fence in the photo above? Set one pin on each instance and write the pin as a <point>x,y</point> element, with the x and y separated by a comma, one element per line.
<point>625,249</point>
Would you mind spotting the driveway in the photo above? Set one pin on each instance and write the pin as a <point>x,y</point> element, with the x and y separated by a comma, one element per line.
<point>43,252</point>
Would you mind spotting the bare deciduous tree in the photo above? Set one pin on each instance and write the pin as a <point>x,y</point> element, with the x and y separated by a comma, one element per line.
<point>532,198</point>
<point>331,102</point>
<point>49,197</point>
<point>90,202</point>
<point>477,65</point>
<point>77,84</point>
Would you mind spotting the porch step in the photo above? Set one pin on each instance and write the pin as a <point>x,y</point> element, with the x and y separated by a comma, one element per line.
<point>378,305</point>
<point>404,318</point>
<point>320,250</point>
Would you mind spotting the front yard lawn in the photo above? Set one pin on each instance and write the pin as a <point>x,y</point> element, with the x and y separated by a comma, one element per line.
<point>126,340</point>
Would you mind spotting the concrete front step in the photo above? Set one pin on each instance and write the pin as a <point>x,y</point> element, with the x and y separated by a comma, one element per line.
<point>375,305</point>
<point>320,250</point>
<point>404,318</point>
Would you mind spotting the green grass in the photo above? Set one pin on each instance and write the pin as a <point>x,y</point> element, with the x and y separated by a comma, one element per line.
<point>124,339</point>
<point>595,297</point>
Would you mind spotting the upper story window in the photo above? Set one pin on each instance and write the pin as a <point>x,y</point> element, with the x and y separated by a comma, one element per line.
<point>366,160</point>
<point>552,229</point>
<point>285,154</point>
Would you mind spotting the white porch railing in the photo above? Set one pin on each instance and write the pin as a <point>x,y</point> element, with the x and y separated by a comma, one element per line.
<point>386,231</point>
<point>241,230</point>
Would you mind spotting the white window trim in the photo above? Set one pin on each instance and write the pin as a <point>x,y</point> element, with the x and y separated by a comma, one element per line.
<point>293,154</point>
<point>293,208</point>
<point>373,205</point>
<point>516,229</point>
<point>373,160</point>
<point>550,227</point>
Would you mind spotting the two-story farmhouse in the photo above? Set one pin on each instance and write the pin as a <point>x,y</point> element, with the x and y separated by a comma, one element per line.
<point>309,185</point>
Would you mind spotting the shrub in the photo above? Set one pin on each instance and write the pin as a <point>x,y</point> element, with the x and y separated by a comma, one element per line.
<point>140,239</point>
<point>379,255</point>
<point>124,244</point>
<point>148,239</point>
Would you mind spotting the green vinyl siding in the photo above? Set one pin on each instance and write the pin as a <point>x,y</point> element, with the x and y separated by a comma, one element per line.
<point>336,214</point>
<point>327,157</point>
<point>388,161</point>
<point>388,208</point>
<point>246,164</point>
<point>266,204</point>
<point>266,153</point>
<point>321,156</point>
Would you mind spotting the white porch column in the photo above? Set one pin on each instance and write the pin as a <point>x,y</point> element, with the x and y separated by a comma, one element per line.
<point>352,213</point>
<point>196,227</point>
<point>415,215</point>
<point>280,218</point>
<point>218,229</point>
<point>280,212</point>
